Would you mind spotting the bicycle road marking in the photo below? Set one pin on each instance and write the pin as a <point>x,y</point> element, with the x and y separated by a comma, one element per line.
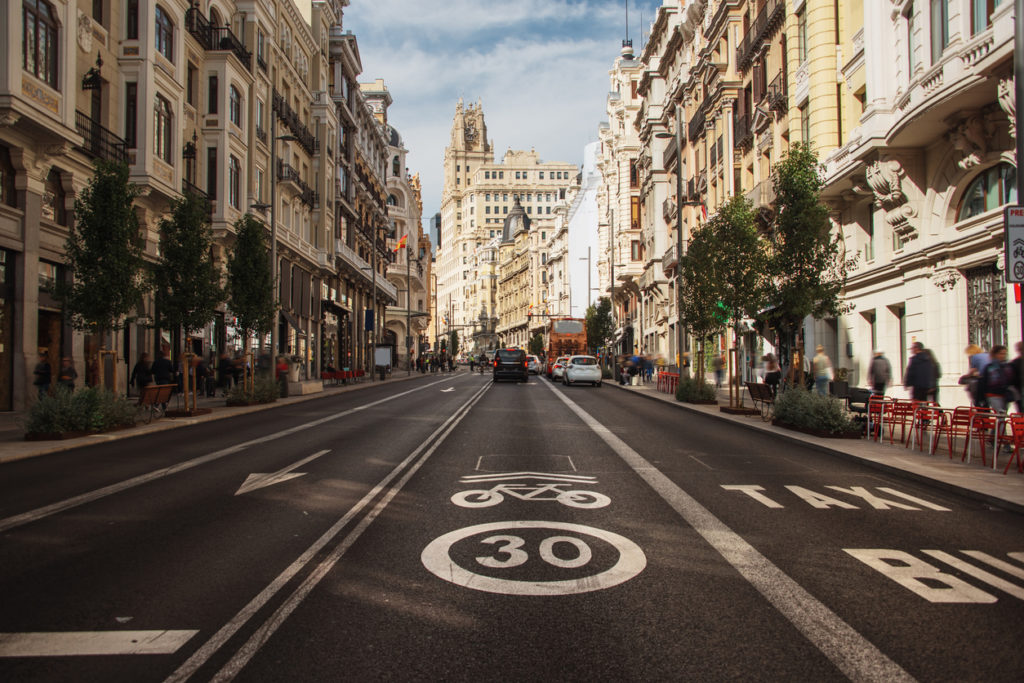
<point>97,494</point>
<point>436,557</point>
<point>848,650</point>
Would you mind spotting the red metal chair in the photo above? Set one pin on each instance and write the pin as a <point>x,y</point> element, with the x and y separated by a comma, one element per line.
<point>902,416</point>
<point>928,417</point>
<point>984,423</point>
<point>1015,439</point>
<point>958,425</point>
<point>879,410</point>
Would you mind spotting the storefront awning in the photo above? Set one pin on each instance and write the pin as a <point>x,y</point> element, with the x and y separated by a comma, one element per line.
<point>335,307</point>
<point>293,321</point>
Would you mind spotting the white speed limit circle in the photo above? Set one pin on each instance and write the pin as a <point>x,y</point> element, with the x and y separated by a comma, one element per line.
<point>510,550</point>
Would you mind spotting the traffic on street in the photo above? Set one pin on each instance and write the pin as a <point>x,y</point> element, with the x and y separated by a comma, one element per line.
<point>456,527</point>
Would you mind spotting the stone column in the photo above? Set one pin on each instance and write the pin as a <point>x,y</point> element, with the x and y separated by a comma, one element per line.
<point>30,184</point>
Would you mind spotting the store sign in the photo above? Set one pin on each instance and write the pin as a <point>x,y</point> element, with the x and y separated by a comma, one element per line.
<point>1013,228</point>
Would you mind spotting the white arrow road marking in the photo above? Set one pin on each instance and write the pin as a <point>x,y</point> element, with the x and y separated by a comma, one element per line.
<point>258,480</point>
<point>445,391</point>
<point>76,643</point>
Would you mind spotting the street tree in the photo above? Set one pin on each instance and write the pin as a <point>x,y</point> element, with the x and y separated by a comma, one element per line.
<point>807,273</point>
<point>536,345</point>
<point>185,280</point>
<point>599,324</point>
<point>104,256</point>
<point>453,342</point>
<point>250,282</point>
<point>700,293</point>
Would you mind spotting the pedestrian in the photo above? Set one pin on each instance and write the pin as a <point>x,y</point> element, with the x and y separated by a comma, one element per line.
<point>43,374</point>
<point>822,368</point>
<point>933,393</point>
<point>997,380</point>
<point>977,359</point>
<point>879,373</point>
<point>162,369</point>
<point>142,373</point>
<point>225,371</point>
<point>919,378</point>
<point>205,375</point>
<point>67,375</point>
<point>772,372</point>
<point>718,365</point>
<point>1018,375</point>
<point>281,371</point>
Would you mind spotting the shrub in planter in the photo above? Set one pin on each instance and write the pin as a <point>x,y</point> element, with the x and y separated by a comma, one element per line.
<point>91,409</point>
<point>606,372</point>
<point>798,407</point>
<point>690,390</point>
<point>265,390</point>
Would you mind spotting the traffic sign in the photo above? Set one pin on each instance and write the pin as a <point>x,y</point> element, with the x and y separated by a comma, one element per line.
<point>1013,227</point>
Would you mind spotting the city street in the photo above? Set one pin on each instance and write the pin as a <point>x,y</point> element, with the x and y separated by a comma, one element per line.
<point>451,528</point>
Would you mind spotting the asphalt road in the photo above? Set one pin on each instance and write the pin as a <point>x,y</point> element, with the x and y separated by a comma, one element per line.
<point>449,528</point>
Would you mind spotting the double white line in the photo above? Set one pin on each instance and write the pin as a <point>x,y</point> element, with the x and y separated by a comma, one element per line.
<point>406,469</point>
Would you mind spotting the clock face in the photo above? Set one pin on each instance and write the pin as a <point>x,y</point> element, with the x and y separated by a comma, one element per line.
<point>470,132</point>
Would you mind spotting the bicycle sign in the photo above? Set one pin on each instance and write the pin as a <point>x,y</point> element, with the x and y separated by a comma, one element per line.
<point>1013,247</point>
<point>531,486</point>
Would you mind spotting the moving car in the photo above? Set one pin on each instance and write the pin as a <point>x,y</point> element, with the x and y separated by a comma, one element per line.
<point>510,364</point>
<point>558,367</point>
<point>533,365</point>
<point>582,369</point>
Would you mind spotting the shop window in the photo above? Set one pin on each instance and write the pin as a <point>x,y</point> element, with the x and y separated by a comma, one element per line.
<point>39,41</point>
<point>994,187</point>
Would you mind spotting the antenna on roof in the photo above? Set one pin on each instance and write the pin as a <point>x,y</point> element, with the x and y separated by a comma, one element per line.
<point>627,44</point>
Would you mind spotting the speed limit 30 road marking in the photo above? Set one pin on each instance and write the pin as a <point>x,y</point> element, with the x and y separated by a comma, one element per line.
<point>847,649</point>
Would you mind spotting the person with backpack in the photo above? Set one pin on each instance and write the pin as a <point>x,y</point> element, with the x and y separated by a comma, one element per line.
<point>879,373</point>
<point>996,381</point>
<point>919,378</point>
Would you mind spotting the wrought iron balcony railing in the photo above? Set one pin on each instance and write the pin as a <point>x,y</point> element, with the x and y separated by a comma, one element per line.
<point>215,38</point>
<point>98,141</point>
<point>291,119</point>
<point>778,98</point>
<point>770,16</point>
<point>287,173</point>
<point>742,132</point>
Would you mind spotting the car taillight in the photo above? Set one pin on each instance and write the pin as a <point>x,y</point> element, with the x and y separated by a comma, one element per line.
<point>526,364</point>
<point>495,363</point>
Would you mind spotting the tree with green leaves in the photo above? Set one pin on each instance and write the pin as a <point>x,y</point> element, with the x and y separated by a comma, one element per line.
<point>700,295</point>
<point>103,251</point>
<point>453,342</point>
<point>807,273</point>
<point>599,324</point>
<point>536,345</point>
<point>186,281</point>
<point>250,282</point>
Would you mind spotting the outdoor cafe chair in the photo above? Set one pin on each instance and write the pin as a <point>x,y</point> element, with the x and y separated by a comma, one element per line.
<point>879,408</point>
<point>902,416</point>
<point>983,426</point>
<point>958,425</point>
<point>1015,439</point>
<point>928,417</point>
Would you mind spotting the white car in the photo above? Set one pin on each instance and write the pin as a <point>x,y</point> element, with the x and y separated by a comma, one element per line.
<point>533,365</point>
<point>582,369</point>
<point>558,367</point>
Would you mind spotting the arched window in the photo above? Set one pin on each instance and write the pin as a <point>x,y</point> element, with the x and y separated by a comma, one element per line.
<point>392,200</point>
<point>39,41</point>
<point>235,107</point>
<point>396,167</point>
<point>164,33</point>
<point>234,182</point>
<point>994,187</point>
<point>163,119</point>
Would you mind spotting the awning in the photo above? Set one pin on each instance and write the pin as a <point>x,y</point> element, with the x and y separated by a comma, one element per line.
<point>335,307</point>
<point>293,321</point>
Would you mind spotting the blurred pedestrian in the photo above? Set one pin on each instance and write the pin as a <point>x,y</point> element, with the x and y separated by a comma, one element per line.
<point>225,372</point>
<point>822,368</point>
<point>67,375</point>
<point>879,373</point>
<point>718,365</point>
<point>919,378</point>
<point>142,373</point>
<point>1018,375</point>
<point>43,374</point>
<point>977,359</point>
<point>162,369</point>
<point>997,379</point>
<point>772,372</point>
<point>933,392</point>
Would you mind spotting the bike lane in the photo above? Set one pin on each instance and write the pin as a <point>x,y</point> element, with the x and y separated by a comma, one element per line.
<point>527,549</point>
<point>935,580</point>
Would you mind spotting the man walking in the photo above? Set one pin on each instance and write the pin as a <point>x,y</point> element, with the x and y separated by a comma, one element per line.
<point>919,378</point>
<point>879,373</point>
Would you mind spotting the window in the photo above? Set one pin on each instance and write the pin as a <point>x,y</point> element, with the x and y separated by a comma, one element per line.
<point>164,33</point>
<point>636,250</point>
<point>986,307</point>
<point>541,176</point>
<point>487,210</point>
<point>260,113</point>
<point>634,213</point>
<point>993,188</point>
<point>259,184</point>
<point>634,174</point>
<point>7,193</point>
<point>805,124</point>
<point>211,96</point>
<point>190,84</point>
<point>543,235</point>
<point>396,166</point>
<point>801,35</point>
<point>163,119</point>
<point>261,49</point>
<point>234,182</point>
<point>548,209</point>
<point>39,41</point>
<point>869,236</point>
<point>49,273</point>
<point>940,28</point>
<point>132,19</point>
<point>501,175</point>
<point>981,16</point>
<point>504,197</point>
<point>131,95</point>
<point>235,106</point>
<point>211,172</point>
<point>54,199</point>
<point>97,11</point>
<point>911,47</point>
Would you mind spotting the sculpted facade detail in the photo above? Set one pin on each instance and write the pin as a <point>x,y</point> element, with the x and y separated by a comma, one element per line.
<point>885,178</point>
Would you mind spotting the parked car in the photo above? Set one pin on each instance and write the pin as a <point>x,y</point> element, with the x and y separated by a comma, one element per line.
<point>510,364</point>
<point>533,365</point>
<point>582,369</point>
<point>558,368</point>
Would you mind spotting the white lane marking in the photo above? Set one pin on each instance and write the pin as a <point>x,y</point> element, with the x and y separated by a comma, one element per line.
<point>872,500</point>
<point>1010,569</point>
<point>753,490</point>
<point>847,649</point>
<point>258,480</point>
<point>503,476</point>
<point>40,513</point>
<point>78,643</point>
<point>914,499</point>
<point>445,391</point>
<point>978,573</point>
<point>437,559</point>
<point>909,571</point>
<point>819,500</point>
<point>226,632</point>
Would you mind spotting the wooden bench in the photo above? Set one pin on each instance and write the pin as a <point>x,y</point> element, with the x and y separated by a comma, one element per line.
<point>152,400</point>
<point>763,398</point>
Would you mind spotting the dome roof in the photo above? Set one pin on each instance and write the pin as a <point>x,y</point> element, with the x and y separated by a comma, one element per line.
<point>517,221</point>
<point>396,140</point>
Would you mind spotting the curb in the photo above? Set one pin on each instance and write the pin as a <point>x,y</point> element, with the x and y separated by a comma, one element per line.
<point>944,485</point>
<point>166,424</point>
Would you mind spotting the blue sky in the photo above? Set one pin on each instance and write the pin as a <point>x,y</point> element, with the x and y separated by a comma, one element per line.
<point>540,68</point>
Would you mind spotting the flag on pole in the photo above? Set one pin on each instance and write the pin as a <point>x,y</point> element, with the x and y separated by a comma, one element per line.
<point>401,243</point>
<point>704,212</point>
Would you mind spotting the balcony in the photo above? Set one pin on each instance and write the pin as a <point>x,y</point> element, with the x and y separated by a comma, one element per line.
<point>696,128</point>
<point>261,135</point>
<point>100,142</point>
<point>291,119</point>
<point>286,173</point>
<point>215,38</point>
<point>187,187</point>
<point>777,96</point>
<point>763,198</point>
<point>668,210</point>
<point>770,17</point>
<point>742,132</point>
<point>670,260</point>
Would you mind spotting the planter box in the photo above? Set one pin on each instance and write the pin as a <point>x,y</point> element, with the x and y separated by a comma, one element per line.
<point>63,436</point>
<point>739,411</point>
<point>702,402</point>
<point>817,432</point>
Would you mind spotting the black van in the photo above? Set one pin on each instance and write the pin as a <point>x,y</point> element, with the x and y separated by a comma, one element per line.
<point>510,364</point>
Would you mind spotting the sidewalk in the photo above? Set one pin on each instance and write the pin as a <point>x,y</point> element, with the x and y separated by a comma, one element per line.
<point>970,479</point>
<point>14,447</point>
